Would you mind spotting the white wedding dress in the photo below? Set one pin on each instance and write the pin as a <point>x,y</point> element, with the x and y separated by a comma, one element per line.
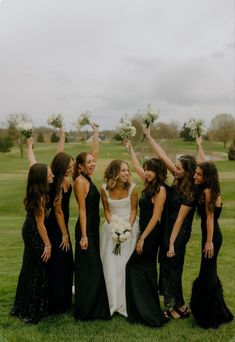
<point>114,266</point>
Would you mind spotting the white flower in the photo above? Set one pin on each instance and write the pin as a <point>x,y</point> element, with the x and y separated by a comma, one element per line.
<point>125,130</point>
<point>150,116</point>
<point>24,127</point>
<point>83,120</point>
<point>196,127</point>
<point>55,120</point>
<point>120,231</point>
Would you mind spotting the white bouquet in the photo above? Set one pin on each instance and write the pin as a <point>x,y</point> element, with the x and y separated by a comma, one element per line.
<point>120,231</point>
<point>196,127</point>
<point>85,119</point>
<point>125,130</point>
<point>149,118</point>
<point>25,128</point>
<point>55,120</point>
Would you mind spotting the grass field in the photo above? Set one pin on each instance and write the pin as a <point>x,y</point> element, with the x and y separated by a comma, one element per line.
<point>13,173</point>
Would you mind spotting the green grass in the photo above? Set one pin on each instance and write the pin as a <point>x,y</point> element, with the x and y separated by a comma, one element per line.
<point>13,173</point>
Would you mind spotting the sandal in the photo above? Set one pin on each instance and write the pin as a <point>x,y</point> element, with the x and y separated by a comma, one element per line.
<point>182,314</point>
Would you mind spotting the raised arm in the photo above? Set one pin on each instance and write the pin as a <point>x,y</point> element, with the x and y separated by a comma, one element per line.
<point>159,201</point>
<point>60,146</point>
<point>159,150</point>
<point>134,160</point>
<point>201,157</point>
<point>31,157</point>
<point>95,141</point>
<point>183,212</point>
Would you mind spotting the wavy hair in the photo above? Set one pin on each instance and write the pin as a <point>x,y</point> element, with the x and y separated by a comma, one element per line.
<point>112,172</point>
<point>37,188</point>
<point>59,166</point>
<point>156,165</point>
<point>185,184</point>
<point>211,181</point>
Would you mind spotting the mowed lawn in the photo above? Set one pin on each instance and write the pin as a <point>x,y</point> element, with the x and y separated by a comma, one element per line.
<point>13,174</point>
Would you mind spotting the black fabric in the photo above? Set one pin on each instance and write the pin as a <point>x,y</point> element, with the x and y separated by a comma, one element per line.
<point>91,300</point>
<point>60,267</point>
<point>207,301</point>
<point>142,298</point>
<point>31,300</point>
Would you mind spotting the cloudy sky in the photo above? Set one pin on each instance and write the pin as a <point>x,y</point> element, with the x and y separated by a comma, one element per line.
<point>117,56</point>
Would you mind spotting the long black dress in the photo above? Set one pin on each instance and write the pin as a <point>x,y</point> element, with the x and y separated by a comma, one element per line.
<point>207,301</point>
<point>31,300</point>
<point>142,298</point>
<point>91,300</point>
<point>60,267</point>
<point>171,269</point>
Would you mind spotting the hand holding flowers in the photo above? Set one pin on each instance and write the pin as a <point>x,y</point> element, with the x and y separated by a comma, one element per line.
<point>196,128</point>
<point>125,130</point>
<point>149,118</point>
<point>120,231</point>
<point>25,128</point>
<point>85,119</point>
<point>55,120</point>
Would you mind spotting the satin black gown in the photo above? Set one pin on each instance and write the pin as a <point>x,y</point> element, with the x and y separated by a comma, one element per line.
<point>142,298</point>
<point>60,267</point>
<point>171,269</point>
<point>31,300</point>
<point>91,300</point>
<point>207,301</point>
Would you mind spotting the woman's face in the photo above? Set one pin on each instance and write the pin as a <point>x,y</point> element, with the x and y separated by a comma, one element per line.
<point>50,175</point>
<point>198,176</point>
<point>89,165</point>
<point>150,175</point>
<point>69,170</point>
<point>179,171</point>
<point>124,173</point>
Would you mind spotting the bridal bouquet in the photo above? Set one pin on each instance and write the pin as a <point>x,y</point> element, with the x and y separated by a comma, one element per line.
<point>84,119</point>
<point>55,120</point>
<point>120,231</point>
<point>149,118</point>
<point>125,130</point>
<point>25,128</point>
<point>196,128</point>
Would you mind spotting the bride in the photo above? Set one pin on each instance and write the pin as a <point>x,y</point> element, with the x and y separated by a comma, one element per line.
<point>119,198</point>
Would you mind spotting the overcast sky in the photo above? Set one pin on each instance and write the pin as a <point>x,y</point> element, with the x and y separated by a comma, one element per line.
<point>117,56</point>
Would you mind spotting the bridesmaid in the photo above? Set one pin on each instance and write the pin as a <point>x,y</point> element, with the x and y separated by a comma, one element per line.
<point>207,301</point>
<point>60,268</point>
<point>142,298</point>
<point>91,300</point>
<point>31,300</point>
<point>181,207</point>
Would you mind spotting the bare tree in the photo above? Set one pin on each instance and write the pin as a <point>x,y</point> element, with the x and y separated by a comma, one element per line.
<point>222,128</point>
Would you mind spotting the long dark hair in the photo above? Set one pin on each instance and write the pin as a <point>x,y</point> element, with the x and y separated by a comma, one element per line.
<point>59,166</point>
<point>157,166</point>
<point>37,188</point>
<point>80,160</point>
<point>185,184</point>
<point>211,181</point>
<point>111,174</point>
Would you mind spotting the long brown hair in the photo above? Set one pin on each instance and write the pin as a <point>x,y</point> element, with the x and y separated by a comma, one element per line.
<point>112,172</point>
<point>185,184</point>
<point>211,181</point>
<point>37,188</point>
<point>79,160</point>
<point>157,166</point>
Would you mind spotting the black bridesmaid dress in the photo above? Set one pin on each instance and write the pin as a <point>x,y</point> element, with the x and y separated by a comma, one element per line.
<point>91,300</point>
<point>171,269</point>
<point>207,300</point>
<point>60,267</point>
<point>31,300</point>
<point>142,298</point>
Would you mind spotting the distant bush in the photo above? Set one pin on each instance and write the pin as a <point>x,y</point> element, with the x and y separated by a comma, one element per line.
<point>6,144</point>
<point>54,138</point>
<point>40,137</point>
<point>231,151</point>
